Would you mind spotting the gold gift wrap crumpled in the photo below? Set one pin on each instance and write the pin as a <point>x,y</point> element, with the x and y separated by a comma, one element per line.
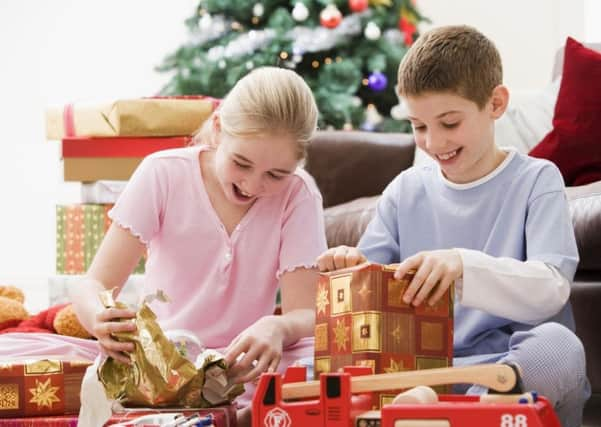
<point>158,374</point>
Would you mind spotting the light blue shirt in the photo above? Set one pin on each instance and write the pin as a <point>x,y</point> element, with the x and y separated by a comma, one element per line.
<point>518,211</point>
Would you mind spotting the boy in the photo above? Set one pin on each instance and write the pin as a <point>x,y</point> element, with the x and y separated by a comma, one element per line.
<point>489,220</point>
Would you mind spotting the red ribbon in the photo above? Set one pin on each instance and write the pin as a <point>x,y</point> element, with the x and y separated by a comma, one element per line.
<point>68,121</point>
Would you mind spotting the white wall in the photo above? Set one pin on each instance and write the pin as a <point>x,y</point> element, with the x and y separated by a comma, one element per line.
<point>59,51</point>
<point>54,52</point>
<point>527,33</point>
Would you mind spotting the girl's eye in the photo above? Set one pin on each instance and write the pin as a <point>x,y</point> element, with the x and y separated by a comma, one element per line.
<point>450,125</point>
<point>241,165</point>
<point>274,176</point>
<point>419,128</point>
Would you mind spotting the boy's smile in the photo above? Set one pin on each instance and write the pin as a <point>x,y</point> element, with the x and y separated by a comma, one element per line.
<point>456,133</point>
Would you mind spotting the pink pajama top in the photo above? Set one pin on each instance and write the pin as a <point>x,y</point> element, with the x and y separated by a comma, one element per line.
<point>218,284</point>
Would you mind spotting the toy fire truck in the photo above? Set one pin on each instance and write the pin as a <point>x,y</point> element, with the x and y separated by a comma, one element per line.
<point>343,400</point>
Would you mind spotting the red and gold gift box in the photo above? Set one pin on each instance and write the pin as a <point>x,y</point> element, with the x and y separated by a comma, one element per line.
<point>40,387</point>
<point>79,230</point>
<point>223,416</point>
<point>361,319</point>
<point>158,116</point>
<point>95,159</point>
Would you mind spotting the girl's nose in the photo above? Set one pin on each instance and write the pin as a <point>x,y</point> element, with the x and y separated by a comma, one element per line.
<point>253,185</point>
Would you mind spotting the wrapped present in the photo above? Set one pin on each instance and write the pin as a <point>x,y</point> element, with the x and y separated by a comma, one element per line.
<point>361,319</point>
<point>223,416</point>
<point>119,147</point>
<point>95,159</point>
<point>130,117</point>
<point>30,388</point>
<point>79,230</point>
<point>102,192</point>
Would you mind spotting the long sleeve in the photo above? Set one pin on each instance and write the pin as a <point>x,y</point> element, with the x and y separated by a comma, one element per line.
<point>528,292</point>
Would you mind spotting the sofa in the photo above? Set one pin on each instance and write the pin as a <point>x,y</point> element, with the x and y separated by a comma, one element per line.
<point>352,168</point>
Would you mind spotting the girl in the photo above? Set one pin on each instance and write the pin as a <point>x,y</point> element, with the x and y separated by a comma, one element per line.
<point>225,222</point>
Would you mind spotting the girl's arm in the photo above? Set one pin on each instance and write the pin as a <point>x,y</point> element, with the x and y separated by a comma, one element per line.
<point>116,258</point>
<point>298,289</point>
<point>263,342</point>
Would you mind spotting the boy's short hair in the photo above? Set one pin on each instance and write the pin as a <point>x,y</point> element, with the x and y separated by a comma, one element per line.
<point>456,59</point>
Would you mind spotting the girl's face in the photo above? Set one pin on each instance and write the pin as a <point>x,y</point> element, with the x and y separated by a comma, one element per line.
<point>253,167</point>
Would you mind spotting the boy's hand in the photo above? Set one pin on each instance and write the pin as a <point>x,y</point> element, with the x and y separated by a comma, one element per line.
<point>435,272</point>
<point>340,257</point>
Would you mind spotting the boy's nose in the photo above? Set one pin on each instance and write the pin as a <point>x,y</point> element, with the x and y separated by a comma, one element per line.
<point>433,141</point>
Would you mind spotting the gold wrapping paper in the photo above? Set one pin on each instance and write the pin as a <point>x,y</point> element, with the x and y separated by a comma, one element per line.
<point>132,117</point>
<point>159,375</point>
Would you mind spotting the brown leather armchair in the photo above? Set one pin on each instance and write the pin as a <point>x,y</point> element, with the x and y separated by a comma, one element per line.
<point>352,168</point>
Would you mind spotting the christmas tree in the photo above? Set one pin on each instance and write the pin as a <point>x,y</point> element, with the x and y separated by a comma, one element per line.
<point>348,51</point>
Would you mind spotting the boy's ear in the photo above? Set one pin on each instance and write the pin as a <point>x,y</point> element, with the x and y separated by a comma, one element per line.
<point>499,101</point>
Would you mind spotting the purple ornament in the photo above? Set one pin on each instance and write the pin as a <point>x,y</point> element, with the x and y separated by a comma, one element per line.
<point>377,81</point>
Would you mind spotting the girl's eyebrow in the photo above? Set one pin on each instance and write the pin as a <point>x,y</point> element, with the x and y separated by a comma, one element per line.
<point>244,159</point>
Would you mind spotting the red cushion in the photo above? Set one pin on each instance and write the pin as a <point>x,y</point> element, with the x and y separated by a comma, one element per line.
<point>574,143</point>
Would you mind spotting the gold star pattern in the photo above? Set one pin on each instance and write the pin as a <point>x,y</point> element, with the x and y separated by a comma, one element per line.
<point>364,291</point>
<point>322,299</point>
<point>395,367</point>
<point>396,334</point>
<point>341,332</point>
<point>44,394</point>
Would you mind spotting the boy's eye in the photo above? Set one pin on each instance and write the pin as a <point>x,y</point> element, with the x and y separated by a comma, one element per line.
<point>241,165</point>
<point>450,125</point>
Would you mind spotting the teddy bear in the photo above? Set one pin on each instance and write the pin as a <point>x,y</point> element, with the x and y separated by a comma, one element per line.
<point>59,319</point>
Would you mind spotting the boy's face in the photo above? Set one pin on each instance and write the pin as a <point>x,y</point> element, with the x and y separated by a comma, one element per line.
<point>456,133</point>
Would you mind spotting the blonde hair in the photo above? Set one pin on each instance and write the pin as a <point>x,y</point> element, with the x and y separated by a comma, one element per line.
<point>457,59</point>
<point>269,100</point>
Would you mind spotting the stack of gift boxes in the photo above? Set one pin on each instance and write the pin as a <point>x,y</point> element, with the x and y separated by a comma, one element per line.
<point>101,147</point>
<point>102,144</point>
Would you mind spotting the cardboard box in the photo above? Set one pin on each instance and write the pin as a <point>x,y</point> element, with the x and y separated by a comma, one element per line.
<point>362,320</point>
<point>130,117</point>
<point>88,169</point>
<point>31,388</point>
<point>79,230</point>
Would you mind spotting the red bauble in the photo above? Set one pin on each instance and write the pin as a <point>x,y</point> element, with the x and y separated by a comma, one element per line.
<point>408,28</point>
<point>358,5</point>
<point>330,17</point>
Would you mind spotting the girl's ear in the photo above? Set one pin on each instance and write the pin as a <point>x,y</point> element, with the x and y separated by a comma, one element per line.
<point>216,123</point>
<point>499,101</point>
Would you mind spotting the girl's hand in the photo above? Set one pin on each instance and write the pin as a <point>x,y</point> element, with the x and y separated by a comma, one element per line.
<point>106,323</point>
<point>261,344</point>
<point>340,257</point>
<point>435,272</point>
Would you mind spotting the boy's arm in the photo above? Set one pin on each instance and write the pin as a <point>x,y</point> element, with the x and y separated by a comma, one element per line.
<point>528,292</point>
<point>380,241</point>
<point>538,287</point>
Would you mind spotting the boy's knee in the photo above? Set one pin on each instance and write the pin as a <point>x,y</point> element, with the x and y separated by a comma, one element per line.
<point>556,363</point>
<point>566,343</point>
